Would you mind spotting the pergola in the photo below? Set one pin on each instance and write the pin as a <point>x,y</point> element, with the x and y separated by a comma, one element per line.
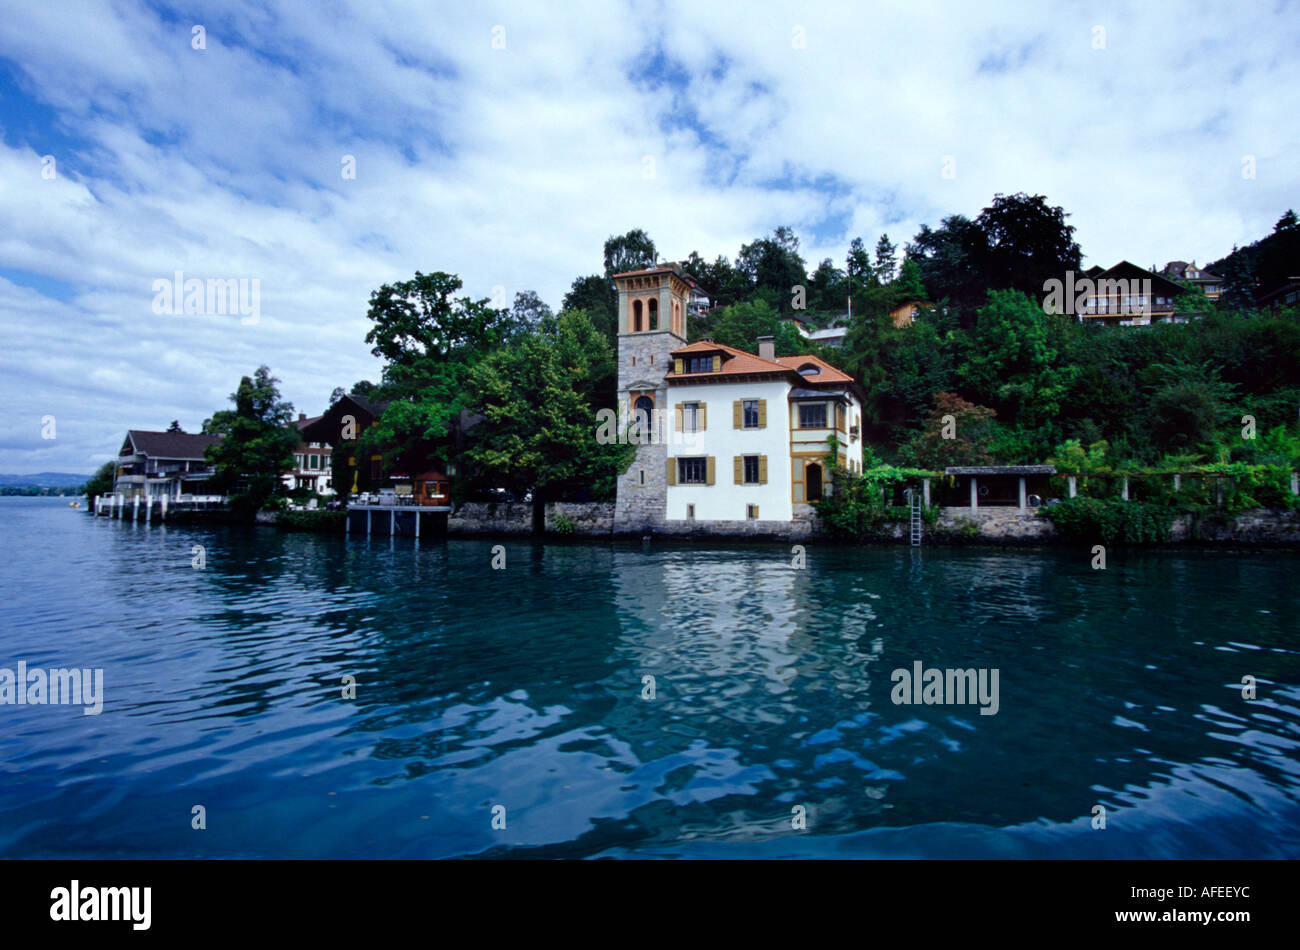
<point>994,475</point>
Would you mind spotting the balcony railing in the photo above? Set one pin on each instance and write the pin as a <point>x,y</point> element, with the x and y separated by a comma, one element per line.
<point>371,500</point>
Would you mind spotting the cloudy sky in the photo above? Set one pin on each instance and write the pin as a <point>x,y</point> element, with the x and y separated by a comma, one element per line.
<point>504,143</point>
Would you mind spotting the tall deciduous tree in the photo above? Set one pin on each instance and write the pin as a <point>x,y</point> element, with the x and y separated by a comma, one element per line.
<point>257,443</point>
<point>631,251</point>
<point>538,405</point>
<point>957,432</point>
<point>1025,242</point>
<point>773,267</point>
<point>1012,362</point>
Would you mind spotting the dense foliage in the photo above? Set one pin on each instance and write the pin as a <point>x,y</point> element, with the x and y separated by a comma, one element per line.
<point>257,444</point>
<point>1110,521</point>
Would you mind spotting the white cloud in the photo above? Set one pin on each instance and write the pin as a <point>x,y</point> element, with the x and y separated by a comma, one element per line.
<point>510,167</point>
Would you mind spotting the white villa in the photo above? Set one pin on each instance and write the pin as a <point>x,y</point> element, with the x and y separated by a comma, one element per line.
<point>743,437</point>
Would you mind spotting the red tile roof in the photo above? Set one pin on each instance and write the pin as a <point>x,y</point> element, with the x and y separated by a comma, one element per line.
<point>829,373</point>
<point>739,363</point>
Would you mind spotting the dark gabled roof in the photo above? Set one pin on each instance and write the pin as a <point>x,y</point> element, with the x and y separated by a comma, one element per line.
<point>1178,270</point>
<point>168,445</point>
<point>1000,470</point>
<point>1126,270</point>
<point>326,428</point>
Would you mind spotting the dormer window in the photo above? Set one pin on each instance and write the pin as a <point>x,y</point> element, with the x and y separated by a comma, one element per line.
<point>810,369</point>
<point>698,364</point>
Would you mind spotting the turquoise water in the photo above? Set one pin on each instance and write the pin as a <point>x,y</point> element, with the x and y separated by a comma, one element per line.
<point>523,688</point>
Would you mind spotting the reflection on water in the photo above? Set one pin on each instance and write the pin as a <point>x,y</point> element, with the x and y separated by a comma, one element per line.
<point>527,688</point>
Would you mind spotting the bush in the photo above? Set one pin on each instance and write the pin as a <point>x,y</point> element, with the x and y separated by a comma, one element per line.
<point>563,524</point>
<point>1096,519</point>
<point>323,521</point>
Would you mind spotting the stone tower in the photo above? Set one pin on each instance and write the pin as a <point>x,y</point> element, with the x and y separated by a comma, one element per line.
<point>652,308</point>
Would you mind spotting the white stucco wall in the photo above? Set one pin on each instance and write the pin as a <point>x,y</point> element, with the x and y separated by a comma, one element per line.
<point>724,500</point>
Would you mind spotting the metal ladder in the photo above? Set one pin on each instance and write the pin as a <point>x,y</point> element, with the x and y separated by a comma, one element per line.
<point>914,502</point>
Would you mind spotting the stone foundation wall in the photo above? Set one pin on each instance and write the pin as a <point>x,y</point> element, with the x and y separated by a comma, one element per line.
<point>590,519</point>
<point>996,525</point>
<point>488,518</point>
<point>955,525</point>
<point>1257,526</point>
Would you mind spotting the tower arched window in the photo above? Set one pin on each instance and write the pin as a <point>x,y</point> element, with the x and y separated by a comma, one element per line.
<point>654,314</point>
<point>636,316</point>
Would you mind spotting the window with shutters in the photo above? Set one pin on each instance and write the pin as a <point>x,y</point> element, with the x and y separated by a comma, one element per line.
<point>749,412</point>
<point>698,364</point>
<point>692,471</point>
<point>751,512</point>
<point>691,416</point>
<point>751,469</point>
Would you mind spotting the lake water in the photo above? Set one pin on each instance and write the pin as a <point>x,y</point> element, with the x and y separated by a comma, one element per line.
<point>525,688</point>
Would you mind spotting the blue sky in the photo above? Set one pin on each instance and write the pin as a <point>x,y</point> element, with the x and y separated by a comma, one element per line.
<point>510,163</point>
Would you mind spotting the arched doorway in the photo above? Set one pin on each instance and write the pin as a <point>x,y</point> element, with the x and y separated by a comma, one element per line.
<point>813,476</point>
<point>642,411</point>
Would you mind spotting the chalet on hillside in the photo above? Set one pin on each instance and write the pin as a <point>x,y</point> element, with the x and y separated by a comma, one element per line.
<point>1129,296</point>
<point>1197,276</point>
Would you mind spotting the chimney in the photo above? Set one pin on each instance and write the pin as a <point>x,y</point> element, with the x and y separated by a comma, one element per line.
<point>767,347</point>
<point>302,417</point>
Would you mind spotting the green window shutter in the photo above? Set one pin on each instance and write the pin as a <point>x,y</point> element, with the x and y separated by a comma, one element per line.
<point>762,413</point>
<point>710,471</point>
<point>740,469</point>
<point>762,469</point>
<point>737,417</point>
<point>672,471</point>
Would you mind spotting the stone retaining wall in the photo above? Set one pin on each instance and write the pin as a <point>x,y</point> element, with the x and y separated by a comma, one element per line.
<point>954,525</point>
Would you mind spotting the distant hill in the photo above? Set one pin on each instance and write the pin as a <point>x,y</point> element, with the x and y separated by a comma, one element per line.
<point>44,480</point>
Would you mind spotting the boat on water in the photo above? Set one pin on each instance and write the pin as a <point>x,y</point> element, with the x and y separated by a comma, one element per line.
<point>74,504</point>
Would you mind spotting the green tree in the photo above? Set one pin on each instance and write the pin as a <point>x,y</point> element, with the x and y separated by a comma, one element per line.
<point>740,325</point>
<point>946,258</point>
<point>957,432</point>
<point>1188,406</point>
<point>101,483</point>
<point>1025,242</point>
<point>418,325</point>
<point>430,340</point>
<point>886,259</point>
<point>909,285</point>
<point>1012,363</point>
<point>596,295</point>
<point>528,310</point>
<point>257,443</point>
<point>539,420</point>
<point>631,251</point>
<point>773,267</point>
<point>828,289</point>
